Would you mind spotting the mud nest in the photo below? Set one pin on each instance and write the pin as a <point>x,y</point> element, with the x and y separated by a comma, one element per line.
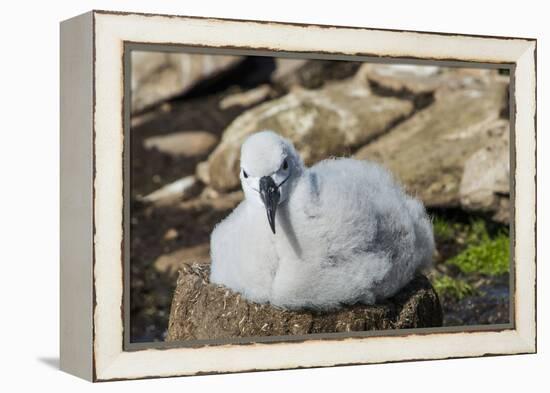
<point>201,310</point>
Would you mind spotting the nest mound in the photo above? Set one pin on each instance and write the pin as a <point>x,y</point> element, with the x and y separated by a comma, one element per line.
<point>201,310</point>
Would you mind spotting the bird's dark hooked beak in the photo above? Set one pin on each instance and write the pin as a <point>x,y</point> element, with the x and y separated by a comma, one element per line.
<point>269,192</point>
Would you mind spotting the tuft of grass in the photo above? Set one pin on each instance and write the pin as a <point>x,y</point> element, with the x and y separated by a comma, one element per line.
<point>473,231</point>
<point>443,229</point>
<point>486,255</point>
<point>448,287</point>
<point>480,248</point>
<point>477,232</point>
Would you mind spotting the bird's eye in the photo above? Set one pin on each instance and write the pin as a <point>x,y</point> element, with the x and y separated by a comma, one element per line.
<point>245,174</point>
<point>285,165</point>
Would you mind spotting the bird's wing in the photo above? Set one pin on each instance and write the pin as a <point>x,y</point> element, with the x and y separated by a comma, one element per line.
<point>312,208</point>
<point>242,254</point>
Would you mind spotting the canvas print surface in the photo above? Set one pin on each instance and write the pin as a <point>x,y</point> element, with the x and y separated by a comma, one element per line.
<point>278,197</point>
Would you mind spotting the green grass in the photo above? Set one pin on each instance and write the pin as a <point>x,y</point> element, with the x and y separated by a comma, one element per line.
<point>473,231</point>
<point>489,256</point>
<point>443,229</point>
<point>477,232</point>
<point>480,247</point>
<point>448,287</point>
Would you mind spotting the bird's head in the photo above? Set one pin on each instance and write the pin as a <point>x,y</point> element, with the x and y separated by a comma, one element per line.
<point>269,167</point>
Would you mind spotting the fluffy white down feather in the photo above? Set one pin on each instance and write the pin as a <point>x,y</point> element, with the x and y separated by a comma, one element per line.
<point>345,232</point>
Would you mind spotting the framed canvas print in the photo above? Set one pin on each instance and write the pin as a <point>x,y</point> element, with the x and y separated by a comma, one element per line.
<point>245,195</point>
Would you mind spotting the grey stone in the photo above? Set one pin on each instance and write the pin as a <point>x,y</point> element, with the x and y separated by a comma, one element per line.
<point>310,74</point>
<point>404,79</point>
<point>285,68</point>
<point>428,152</point>
<point>332,120</point>
<point>184,144</point>
<point>212,201</point>
<point>172,262</point>
<point>174,192</point>
<point>202,172</point>
<point>246,98</point>
<point>158,76</point>
<point>485,183</point>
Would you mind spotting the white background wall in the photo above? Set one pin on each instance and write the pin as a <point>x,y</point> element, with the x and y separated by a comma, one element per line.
<point>29,194</point>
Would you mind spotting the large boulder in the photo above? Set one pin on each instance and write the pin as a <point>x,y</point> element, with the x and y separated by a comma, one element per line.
<point>418,80</point>
<point>158,76</point>
<point>428,152</point>
<point>286,68</point>
<point>247,98</point>
<point>333,120</point>
<point>485,183</point>
<point>310,74</point>
<point>201,310</point>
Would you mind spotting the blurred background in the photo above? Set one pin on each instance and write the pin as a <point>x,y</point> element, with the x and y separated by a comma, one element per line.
<point>443,132</point>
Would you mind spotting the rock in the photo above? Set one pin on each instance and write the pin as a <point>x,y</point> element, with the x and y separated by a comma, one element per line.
<point>202,172</point>
<point>402,78</point>
<point>212,200</point>
<point>186,144</point>
<point>171,263</point>
<point>427,152</point>
<point>485,184</point>
<point>285,68</point>
<point>171,234</point>
<point>311,74</point>
<point>330,121</point>
<point>246,98</point>
<point>181,189</point>
<point>201,310</point>
<point>158,76</point>
<point>139,119</point>
<point>405,80</point>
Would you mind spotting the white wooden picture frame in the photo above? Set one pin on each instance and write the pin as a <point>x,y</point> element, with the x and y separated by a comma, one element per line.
<point>93,117</point>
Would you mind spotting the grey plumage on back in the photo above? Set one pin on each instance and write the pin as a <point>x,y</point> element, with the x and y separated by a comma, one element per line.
<point>343,231</point>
